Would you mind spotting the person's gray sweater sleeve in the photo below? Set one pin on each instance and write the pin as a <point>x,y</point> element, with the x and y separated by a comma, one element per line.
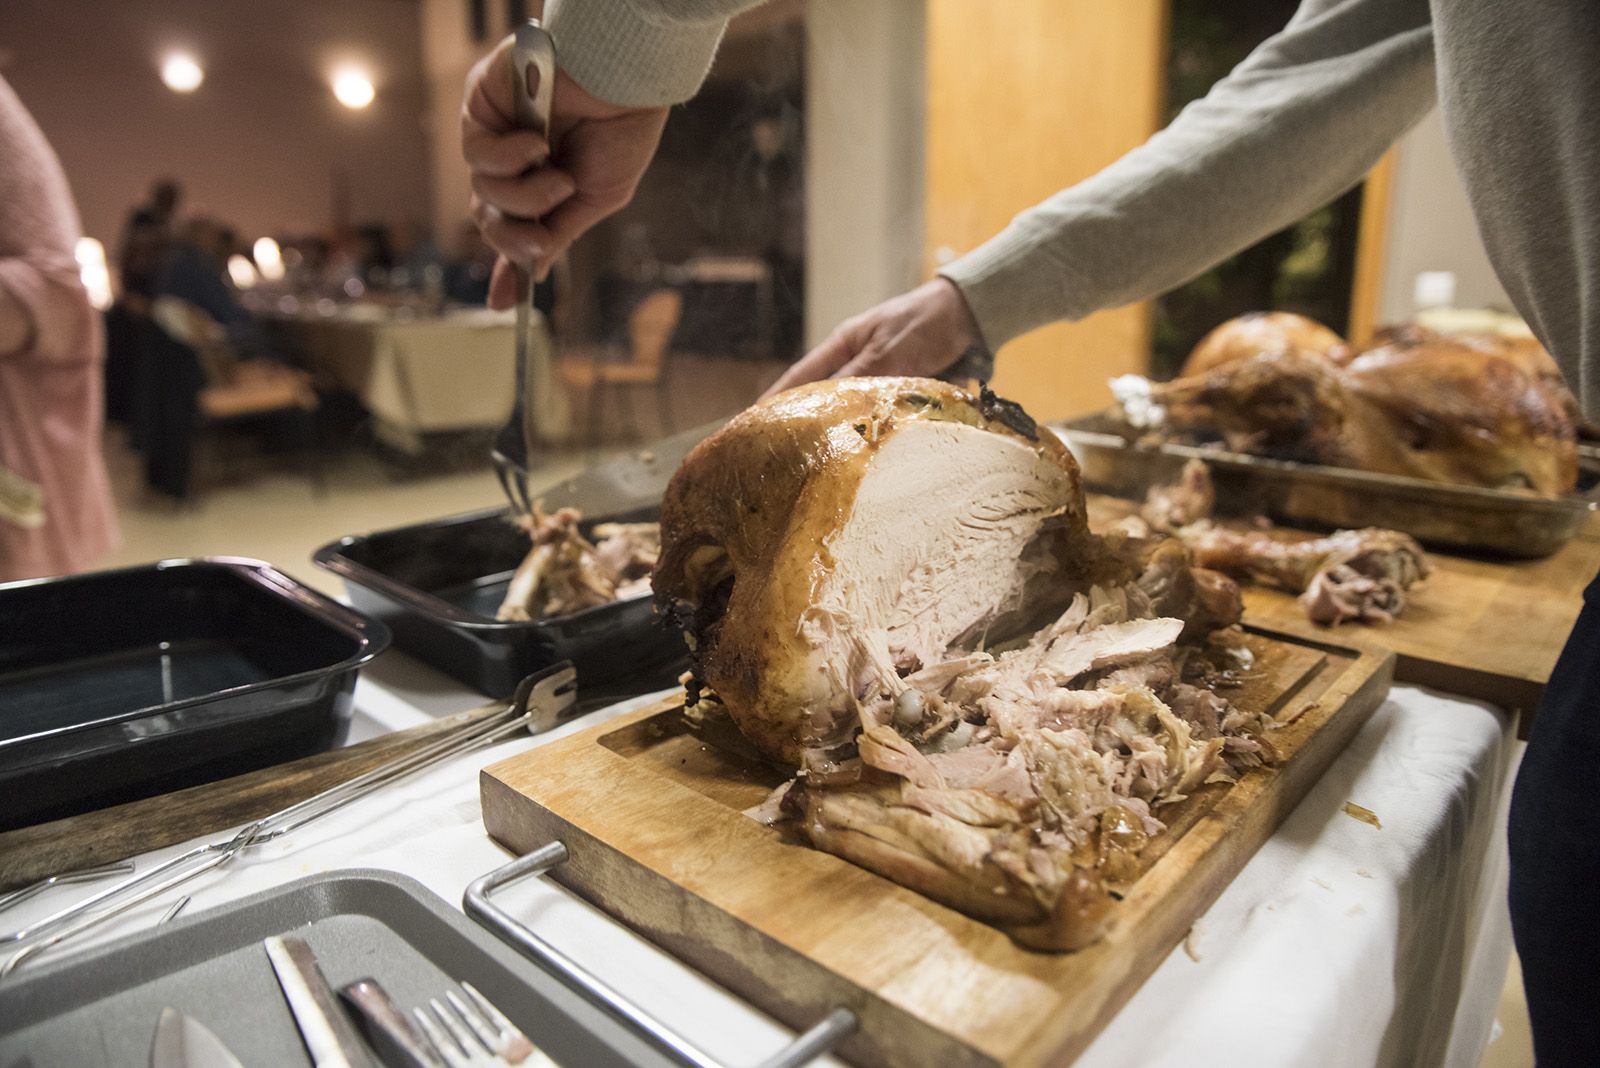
<point>639,53</point>
<point>1293,126</point>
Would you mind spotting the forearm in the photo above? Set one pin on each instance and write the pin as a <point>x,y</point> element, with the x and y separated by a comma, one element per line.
<point>1295,125</point>
<point>639,53</point>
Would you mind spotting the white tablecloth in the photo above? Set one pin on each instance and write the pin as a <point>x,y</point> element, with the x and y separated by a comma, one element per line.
<point>420,375</point>
<point>1338,943</point>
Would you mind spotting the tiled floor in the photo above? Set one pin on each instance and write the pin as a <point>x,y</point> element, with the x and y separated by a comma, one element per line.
<point>273,515</point>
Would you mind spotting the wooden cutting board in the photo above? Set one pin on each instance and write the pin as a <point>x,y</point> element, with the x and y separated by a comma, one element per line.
<point>1489,629</point>
<point>652,818</point>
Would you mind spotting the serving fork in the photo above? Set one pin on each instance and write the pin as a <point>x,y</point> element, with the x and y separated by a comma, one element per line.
<point>459,1030</point>
<point>533,71</point>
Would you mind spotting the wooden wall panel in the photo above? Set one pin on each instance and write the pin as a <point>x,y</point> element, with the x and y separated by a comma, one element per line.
<point>1025,98</point>
<point>1372,242</point>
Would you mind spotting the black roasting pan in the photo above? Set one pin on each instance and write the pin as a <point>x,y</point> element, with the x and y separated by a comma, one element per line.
<point>123,684</point>
<point>438,584</point>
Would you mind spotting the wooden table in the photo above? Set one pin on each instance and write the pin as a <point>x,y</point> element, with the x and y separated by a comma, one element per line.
<point>1488,628</point>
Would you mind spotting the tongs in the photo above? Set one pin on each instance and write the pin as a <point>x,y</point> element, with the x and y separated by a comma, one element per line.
<point>539,704</point>
<point>533,79</point>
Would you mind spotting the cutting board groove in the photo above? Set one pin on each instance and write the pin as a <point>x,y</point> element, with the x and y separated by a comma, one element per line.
<point>651,816</point>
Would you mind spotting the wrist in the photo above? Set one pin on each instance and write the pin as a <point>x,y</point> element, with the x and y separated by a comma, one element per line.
<point>965,323</point>
<point>1006,290</point>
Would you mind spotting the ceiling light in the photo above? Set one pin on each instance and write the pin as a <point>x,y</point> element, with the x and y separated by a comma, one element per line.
<point>91,257</point>
<point>242,271</point>
<point>353,89</point>
<point>182,73</point>
<point>269,259</point>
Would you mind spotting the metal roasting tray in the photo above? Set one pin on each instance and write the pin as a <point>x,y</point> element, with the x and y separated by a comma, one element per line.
<point>1471,518</point>
<point>97,1008</point>
<point>123,684</point>
<point>438,584</point>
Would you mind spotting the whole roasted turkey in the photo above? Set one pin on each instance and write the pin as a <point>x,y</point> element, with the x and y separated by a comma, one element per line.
<point>1476,410</point>
<point>889,585</point>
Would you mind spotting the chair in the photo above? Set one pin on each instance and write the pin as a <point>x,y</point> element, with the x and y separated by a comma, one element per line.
<point>232,388</point>
<point>651,325</point>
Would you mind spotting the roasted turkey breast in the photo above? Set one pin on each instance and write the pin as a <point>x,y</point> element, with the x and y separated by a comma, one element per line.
<point>854,529</point>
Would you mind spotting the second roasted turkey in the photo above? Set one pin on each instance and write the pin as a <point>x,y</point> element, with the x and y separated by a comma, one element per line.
<point>1474,410</point>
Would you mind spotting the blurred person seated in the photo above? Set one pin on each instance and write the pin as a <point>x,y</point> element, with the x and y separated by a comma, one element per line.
<point>194,270</point>
<point>56,511</point>
<point>418,257</point>
<point>342,263</point>
<point>359,258</point>
<point>377,254</point>
<point>144,246</point>
<point>467,271</point>
<point>166,196</point>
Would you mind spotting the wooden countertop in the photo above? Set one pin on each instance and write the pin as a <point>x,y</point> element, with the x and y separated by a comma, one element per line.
<point>1489,629</point>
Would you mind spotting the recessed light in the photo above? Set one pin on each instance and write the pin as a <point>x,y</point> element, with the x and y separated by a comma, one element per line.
<point>181,72</point>
<point>353,89</point>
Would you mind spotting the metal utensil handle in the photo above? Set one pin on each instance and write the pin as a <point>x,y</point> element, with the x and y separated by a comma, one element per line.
<point>17,897</point>
<point>533,65</point>
<point>533,78</point>
<point>815,1041</point>
<point>86,922</point>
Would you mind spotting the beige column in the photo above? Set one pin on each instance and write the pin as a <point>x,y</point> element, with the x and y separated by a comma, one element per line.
<point>864,158</point>
<point>1025,98</point>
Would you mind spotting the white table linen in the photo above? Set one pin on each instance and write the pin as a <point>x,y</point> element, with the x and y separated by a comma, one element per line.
<point>1338,943</point>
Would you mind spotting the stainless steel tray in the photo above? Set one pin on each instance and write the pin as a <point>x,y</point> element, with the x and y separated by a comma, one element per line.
<point>98,1007</point>
<point>1479,520</point>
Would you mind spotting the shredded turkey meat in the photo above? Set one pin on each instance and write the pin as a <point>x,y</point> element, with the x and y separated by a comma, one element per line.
<point>1349,575</point>
<point>1024,784</point>
<point>565,572</point>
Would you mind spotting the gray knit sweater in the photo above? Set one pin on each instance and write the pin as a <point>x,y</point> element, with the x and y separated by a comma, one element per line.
<point>1295,125</point>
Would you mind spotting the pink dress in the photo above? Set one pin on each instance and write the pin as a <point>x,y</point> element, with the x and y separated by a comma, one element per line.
<point>50,390</point>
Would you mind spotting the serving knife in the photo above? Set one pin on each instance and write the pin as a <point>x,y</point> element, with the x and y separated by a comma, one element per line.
<point>325,1029</point>
<point>183,1042</point>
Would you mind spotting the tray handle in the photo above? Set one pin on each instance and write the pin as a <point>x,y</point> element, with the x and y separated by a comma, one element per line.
<point>815,1041</point>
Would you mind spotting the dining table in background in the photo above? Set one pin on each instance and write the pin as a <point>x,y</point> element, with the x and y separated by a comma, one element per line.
<point>419,372</point>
